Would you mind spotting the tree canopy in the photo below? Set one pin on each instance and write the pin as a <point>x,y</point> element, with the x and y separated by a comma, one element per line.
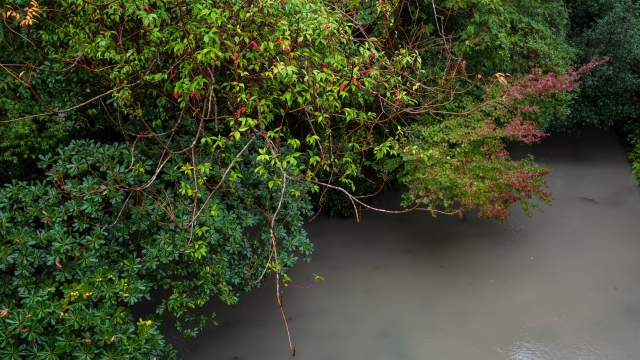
<point>178,145</point>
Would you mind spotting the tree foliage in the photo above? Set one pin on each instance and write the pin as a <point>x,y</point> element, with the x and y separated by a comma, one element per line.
<point>608,29</point>
<point>509,36</point>
<point>608,97</point>
<point>180,142</point>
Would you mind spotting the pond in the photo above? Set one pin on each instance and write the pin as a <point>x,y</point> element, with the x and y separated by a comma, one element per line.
<point>563,284</point>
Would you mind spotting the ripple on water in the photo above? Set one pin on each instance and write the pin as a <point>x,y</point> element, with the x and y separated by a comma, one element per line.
<point>525,350</point>
<point>585,349</point>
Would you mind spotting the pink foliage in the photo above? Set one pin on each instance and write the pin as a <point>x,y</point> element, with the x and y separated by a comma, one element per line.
<point>502,153</point>
<point>523,184</point>
<point>522,130</point>
<point>536,83</point>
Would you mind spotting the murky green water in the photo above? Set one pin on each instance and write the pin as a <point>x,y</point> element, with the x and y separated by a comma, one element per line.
<point>564,284</point>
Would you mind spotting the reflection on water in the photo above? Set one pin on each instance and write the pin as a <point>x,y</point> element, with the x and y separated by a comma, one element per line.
<point>564,284</point>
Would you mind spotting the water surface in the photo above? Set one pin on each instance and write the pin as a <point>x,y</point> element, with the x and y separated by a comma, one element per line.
<point>563,284</point>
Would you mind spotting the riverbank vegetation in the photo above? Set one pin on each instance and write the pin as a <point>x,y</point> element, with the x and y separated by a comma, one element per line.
<point>179,145</point>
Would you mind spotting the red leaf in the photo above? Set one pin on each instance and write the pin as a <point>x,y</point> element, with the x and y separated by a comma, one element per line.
<point>255,46</point>
<point>172,75</point>
<point>193,93</point>
<point>326,40</point>
<point>341,87</point>
<point>326,26</point>
<point>175,94</point>
<point>278,40</point>
<point>372,55</point>
<point>397,93</point>
<point>366,72</point>
<point>58,264</point>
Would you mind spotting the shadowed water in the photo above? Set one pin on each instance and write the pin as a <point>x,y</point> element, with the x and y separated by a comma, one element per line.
<point>563,284</point>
